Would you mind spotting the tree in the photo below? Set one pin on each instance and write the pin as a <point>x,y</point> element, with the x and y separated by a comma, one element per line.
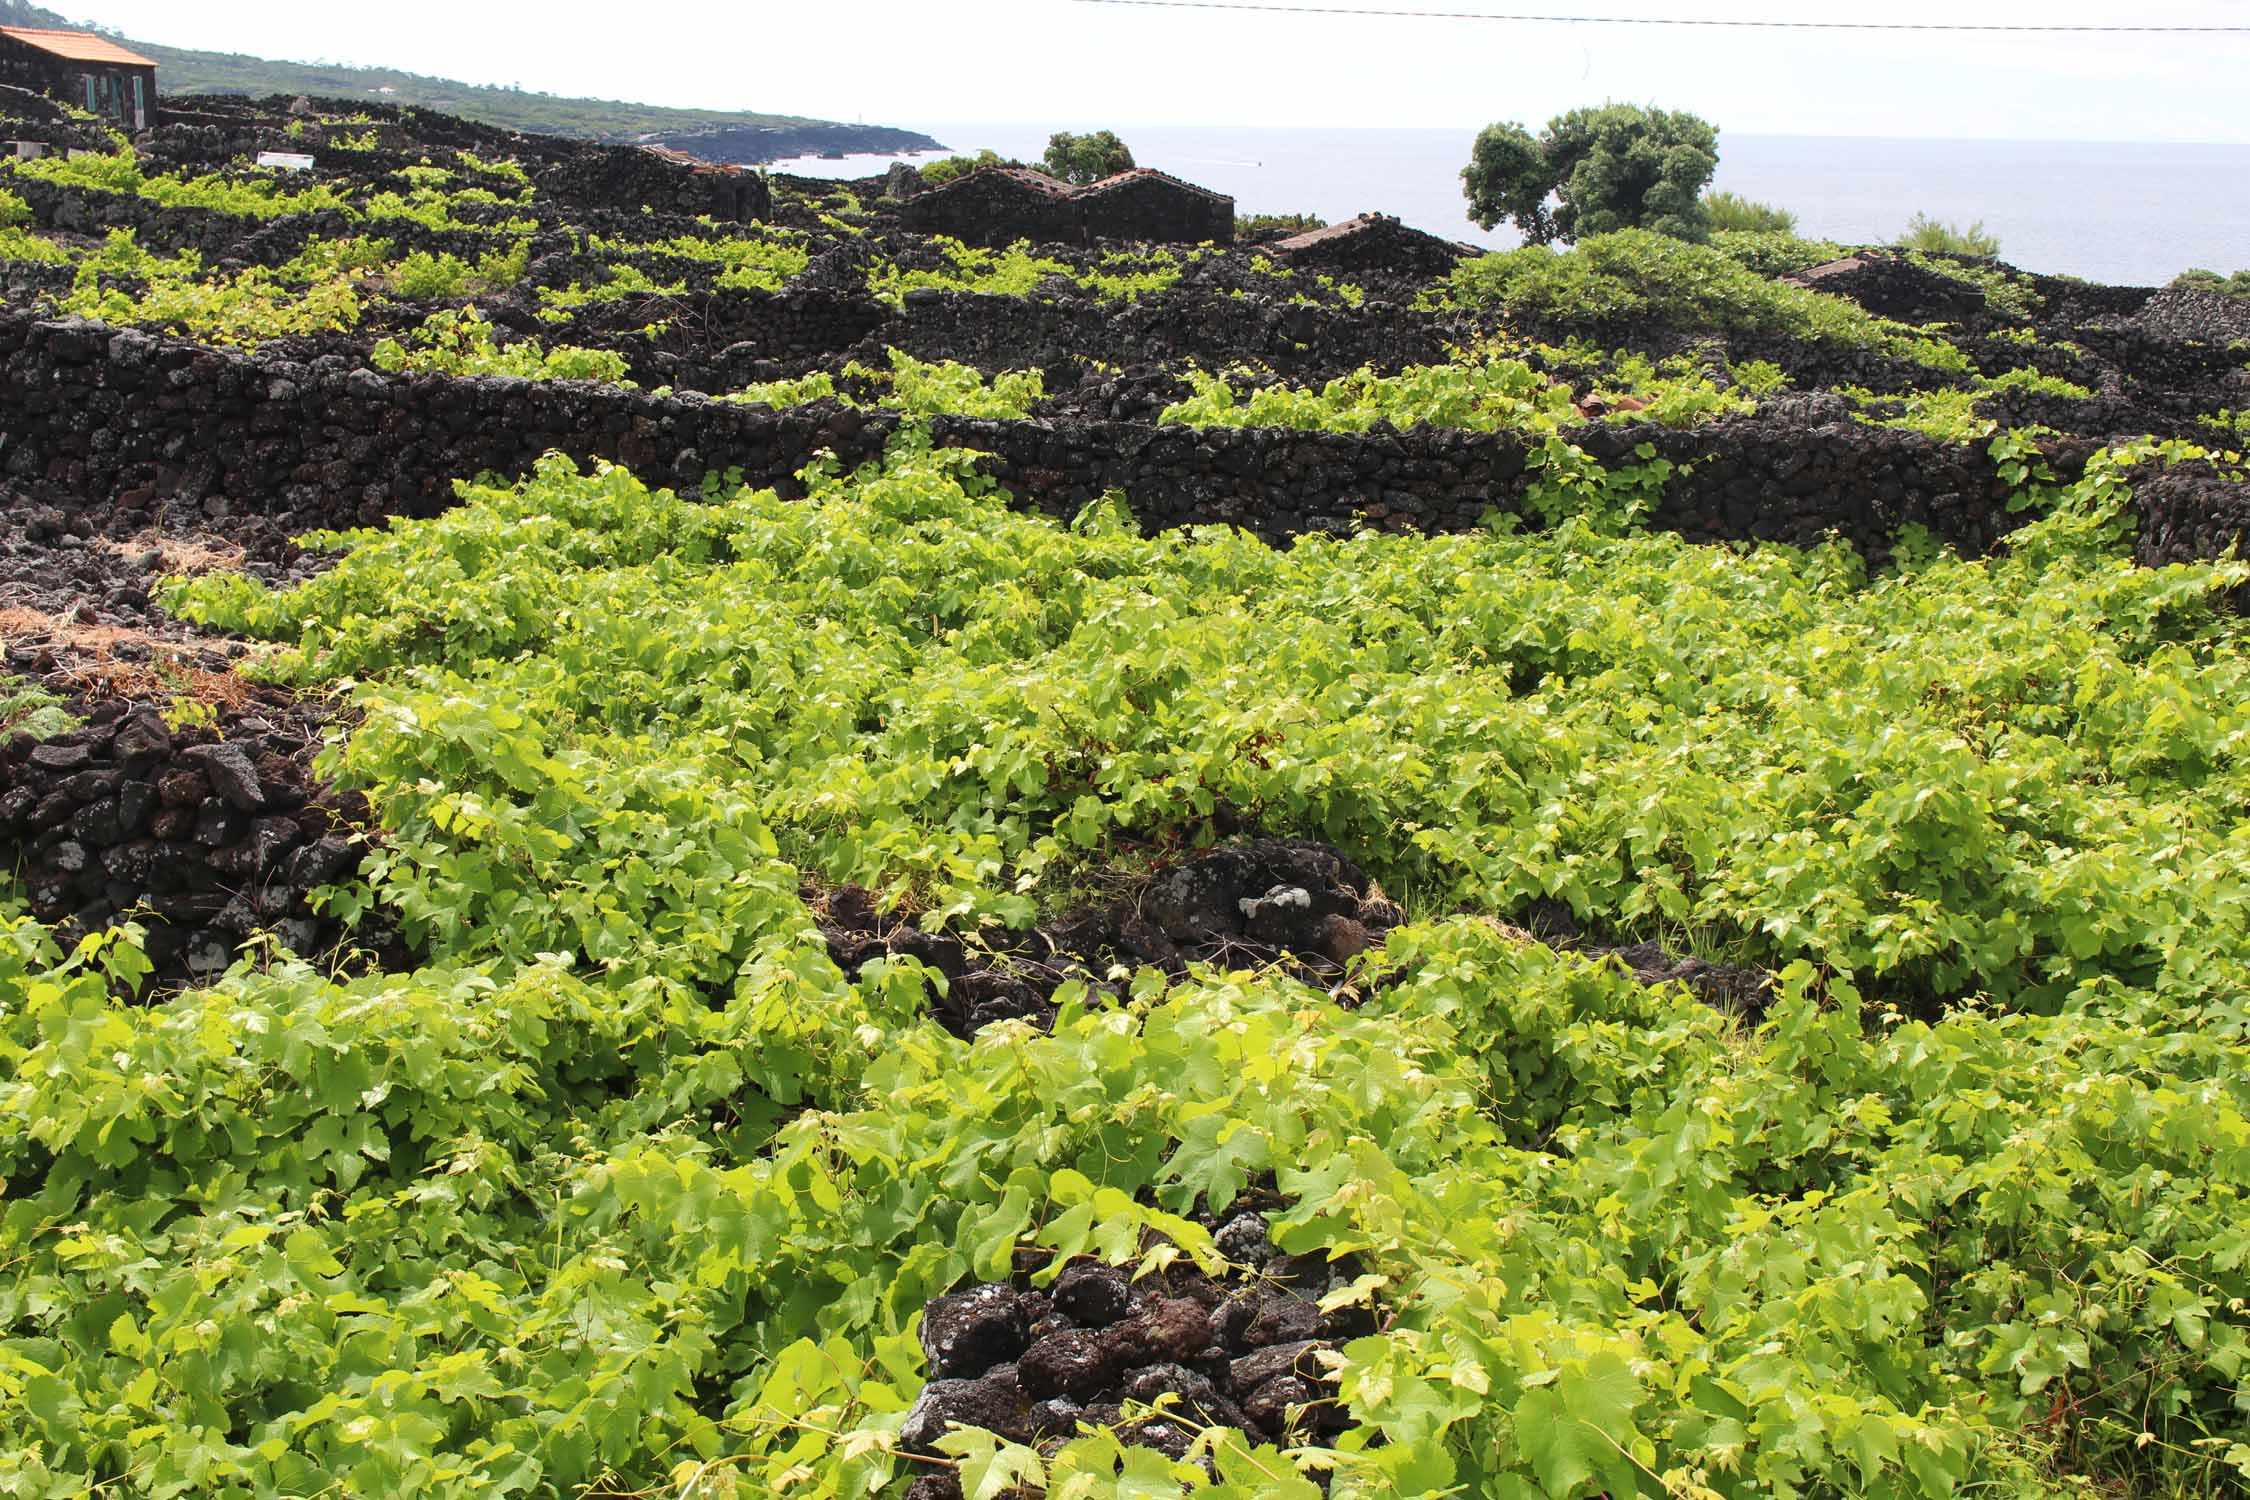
<point>1593,171</point>
<point>947,168</point>
<point>1087,158</point>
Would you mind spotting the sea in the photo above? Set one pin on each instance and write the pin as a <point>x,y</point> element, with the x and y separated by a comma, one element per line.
<point>2121,213</point>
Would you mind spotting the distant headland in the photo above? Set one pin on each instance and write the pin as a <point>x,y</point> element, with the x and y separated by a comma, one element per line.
<point>716,135</point>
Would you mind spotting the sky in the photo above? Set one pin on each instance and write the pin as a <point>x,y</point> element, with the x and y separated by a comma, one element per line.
<point>1069,64</point>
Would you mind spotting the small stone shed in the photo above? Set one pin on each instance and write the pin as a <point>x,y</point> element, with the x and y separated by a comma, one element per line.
<point>1372,242</point>
<point>83,69</point>
<point>1000,205</point>
<point>1145,204</point>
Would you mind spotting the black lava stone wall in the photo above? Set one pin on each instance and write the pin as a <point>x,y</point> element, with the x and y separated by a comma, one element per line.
<point>126,415</point>
<point>204,835</point>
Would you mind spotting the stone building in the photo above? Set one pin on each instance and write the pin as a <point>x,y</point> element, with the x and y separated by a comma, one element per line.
<point>81,69</point>
<point>1000,205</point>
<point>1372,242</point>
<point>1145,204</point>
<point>994,206</point>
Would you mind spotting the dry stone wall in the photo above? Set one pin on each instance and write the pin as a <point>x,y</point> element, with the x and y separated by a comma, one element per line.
<point>2191,510</point>
<point>204,835</point>
<point>125,414</point>
<point>212,833</point>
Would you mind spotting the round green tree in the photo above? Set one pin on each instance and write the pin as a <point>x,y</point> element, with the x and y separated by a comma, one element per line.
<point>1086,158</point>
<point>1621,166</point>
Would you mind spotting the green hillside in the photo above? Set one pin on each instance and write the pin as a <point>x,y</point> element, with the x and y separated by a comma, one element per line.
<point>731,134</point>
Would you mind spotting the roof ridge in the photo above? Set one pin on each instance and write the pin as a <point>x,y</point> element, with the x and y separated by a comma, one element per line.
<point>1039,181</point>
<point>1157,172</point>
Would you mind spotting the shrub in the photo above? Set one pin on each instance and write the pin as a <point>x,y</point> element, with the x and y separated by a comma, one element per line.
<point>459,341</point>
<point>747,259</point>
<point>1493,395</point>
<point>256,194</point>
<point>625,280</point>
<point>1638,276</point>
<point>328,257</point>
<point>1731,211</point>
<point>942,171</point>
<point>1019,272</point>
<point>2199,280</point>
<point>1926,233</point>
<point>1773,252</point>
<point>27,707</point>
<point>176,292</point>
<point>507,168</point>
<point>497,270</point>
<point>631,1132</point>
<point>923,389</point>
<point>424,277</point>
<point>1617,167</point>
<point>1248,227</point>
<point>1087,158</point>
<point>22,245</point>
<point>797,391</point>
<point>912,386</point>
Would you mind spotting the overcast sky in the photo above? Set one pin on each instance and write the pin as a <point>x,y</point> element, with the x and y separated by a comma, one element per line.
<point>918,62</point>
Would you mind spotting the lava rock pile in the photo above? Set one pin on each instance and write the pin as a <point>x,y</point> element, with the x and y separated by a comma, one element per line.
<point>1240,1350</point>
<point>203,834</point>
<point>1252,904</point>
<point>1737,989</point>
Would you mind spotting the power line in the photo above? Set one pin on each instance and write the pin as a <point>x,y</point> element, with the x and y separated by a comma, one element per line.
<point>1478,15</point>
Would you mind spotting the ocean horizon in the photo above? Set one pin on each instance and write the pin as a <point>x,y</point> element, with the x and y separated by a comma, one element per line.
<point>2130,213</point>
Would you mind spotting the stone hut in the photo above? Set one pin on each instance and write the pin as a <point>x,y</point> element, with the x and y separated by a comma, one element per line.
<point>1372,242</point>
<point>1145,204</point>
<point>994,206</point>
<point>82,69</point>
<point>997,206</point>
<point>668,181</point>
<point>1891,286</point>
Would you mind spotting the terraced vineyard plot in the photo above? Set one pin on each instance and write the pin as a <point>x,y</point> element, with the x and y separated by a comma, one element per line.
<point>630,1177</point>
<point>937,986</point>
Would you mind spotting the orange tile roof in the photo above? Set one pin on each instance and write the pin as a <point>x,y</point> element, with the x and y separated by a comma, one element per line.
<point>78,46</point>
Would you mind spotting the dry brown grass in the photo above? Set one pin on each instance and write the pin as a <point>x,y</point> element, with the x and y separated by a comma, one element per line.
<point>88,658</point>
<point>196,554</point>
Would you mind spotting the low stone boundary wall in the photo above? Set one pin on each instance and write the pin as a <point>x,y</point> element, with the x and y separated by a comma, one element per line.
<point>127,415</point>
<point>2191,511</point>
<point>205,836</point>
<point>721,341</point>
<point>218,236</point>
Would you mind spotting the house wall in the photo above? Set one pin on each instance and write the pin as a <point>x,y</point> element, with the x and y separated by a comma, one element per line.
<point>29,68</point>
<point>108,90</point>
<point>992,209</point>
<point>986,208</point>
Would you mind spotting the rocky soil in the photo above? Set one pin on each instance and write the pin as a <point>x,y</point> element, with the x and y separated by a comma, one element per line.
<point>184,796</point>
<point>1259,903</point>
<point>1239,1349</point>
<point>77,612</point>
<point>1256,903</point>
<point>204,833</point>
